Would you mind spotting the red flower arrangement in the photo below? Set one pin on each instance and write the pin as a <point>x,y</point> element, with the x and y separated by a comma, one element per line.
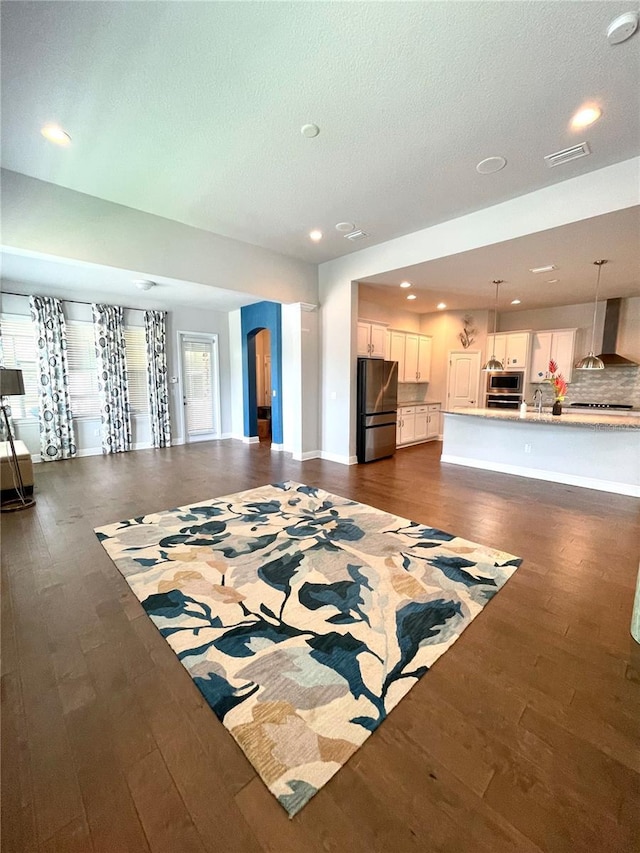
<point>557,382</point>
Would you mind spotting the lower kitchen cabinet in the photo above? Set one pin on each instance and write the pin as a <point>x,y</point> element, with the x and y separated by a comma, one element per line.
<point>417,424</point>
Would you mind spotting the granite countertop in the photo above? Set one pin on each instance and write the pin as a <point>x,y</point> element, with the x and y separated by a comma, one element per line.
<point>419,403</point>
<point>582,419</point>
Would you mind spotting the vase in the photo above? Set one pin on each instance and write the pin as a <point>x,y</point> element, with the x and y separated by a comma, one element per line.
<point>557,408</point>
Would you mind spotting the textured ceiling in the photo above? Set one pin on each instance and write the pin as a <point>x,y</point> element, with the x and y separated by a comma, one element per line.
<point>192,111</point>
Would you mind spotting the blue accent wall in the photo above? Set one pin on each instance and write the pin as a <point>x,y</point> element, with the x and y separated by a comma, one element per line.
<point>253,318</point>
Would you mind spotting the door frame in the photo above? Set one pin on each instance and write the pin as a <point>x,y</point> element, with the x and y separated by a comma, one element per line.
<point>215,379</point>
<point>463,352</point>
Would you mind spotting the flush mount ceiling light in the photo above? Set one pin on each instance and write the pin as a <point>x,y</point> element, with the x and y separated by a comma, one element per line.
<point>553,280</point>
<point>412,296</point>
<point>490,165</point>
<point>309,130</point>
<point>56,135</point>
<point>144,284</point>
<point>548,268</point>
<point>591,361</point>
<point>585,116</point>
<point>441,306</point>
<point>493,365</point>
<point>405,284</point>
<point>315,235</point>
<point>345,226</point>
<point>622,27</point>
<point>515,302</point>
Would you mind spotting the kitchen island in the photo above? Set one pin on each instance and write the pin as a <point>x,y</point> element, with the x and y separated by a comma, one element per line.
<point>594,451</point>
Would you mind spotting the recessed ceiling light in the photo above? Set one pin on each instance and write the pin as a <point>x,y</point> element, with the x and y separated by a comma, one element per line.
<point>405,284</point>
<point>553,280</point>
<point>515,302</point>
<point>412,296</point>
<point>548,268</point>
<point>585,116</point>
<point>622,27</point>
<point>309,130</point>
<point>490,165</point>
<point>345,226</point>
<point>56,135</point>
<point>441,306</point>
<point>315,235</point>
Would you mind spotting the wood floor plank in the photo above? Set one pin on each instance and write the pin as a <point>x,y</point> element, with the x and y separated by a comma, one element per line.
<point>521,739</point>
<point>164,817</point>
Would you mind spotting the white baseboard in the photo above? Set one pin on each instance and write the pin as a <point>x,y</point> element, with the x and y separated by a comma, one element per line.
<point>549,476</point>
<point>250,439</point>
<point>335,457</point>
<point>307,454</point>
<point>176,442</point>
<point>277,448</point>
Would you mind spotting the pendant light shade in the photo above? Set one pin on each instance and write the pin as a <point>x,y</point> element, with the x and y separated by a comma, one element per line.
<point>591,361</point>
<point>494,365</point>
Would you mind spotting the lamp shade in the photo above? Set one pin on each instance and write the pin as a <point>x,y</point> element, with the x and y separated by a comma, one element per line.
<point>590,362</point>
<point>11,383</point>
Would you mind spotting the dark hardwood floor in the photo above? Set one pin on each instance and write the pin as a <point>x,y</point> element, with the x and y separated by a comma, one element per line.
<point>523,737</point>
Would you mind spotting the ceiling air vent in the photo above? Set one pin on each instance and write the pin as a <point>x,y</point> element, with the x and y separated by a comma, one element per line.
<point>573,153</point>
<point>356,235</point>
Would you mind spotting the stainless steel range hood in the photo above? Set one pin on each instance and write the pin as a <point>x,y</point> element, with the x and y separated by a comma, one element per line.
<point>609,339</point>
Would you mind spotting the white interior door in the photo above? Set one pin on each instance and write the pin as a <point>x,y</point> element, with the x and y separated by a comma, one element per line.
<point>463,383</point>
<point>200,386</point>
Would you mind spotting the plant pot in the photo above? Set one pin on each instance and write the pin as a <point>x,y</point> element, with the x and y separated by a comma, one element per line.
<point>557,408</point>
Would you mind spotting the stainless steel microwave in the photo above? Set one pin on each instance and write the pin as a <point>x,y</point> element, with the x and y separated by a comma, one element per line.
<point>505,382</point>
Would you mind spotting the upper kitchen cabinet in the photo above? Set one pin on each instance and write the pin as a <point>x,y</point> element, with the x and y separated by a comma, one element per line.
<point>371,339</point>
<point>511,348</point>
<point>559,345</point>
<point>413,354</point>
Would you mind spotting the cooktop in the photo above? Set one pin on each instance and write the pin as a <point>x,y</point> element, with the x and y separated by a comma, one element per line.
<point>601,405</point>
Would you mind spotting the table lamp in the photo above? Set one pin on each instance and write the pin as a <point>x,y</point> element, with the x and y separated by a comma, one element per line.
<point>12,385</point>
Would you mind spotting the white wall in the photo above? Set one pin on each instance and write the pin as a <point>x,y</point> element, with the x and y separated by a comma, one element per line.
<point>444,328</point>
<point>236,389</point>
<point>41,217</point>
<point>592,194</point>
<point>368,309</point>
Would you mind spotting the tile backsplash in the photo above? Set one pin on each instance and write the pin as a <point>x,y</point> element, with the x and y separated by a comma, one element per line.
<point>408,392</point>
<point>611,385</point>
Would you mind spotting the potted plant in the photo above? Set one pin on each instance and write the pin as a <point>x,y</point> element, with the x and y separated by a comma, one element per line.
<point>559,385</point>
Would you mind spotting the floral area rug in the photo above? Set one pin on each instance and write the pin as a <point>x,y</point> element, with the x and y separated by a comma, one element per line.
<point>302,617</point>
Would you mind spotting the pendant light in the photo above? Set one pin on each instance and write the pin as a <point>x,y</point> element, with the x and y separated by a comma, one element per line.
<point>591,361</point>
<point>494,365</point>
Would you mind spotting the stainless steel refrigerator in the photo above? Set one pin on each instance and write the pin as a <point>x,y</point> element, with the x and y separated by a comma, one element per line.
<point>377,408</point>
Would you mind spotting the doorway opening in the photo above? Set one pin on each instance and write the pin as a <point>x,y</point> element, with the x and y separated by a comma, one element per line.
<point>263,384</point>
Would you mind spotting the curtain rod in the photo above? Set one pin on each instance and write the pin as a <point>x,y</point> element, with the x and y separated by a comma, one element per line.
<point>76,301</point>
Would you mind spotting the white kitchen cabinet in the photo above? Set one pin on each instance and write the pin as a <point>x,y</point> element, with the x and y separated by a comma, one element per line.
<point>511,348</point>
<point>406,430</point>
<point>371,339</point>
<point>433,421</point>
<point>559,345</point>
<point>422,423</point>
<point>413,354</point>
<point>417,424</point>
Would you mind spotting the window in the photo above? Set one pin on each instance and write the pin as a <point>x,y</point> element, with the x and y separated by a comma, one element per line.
<point>19,352</point>
<point>83,370</point>
<point>136,358</point>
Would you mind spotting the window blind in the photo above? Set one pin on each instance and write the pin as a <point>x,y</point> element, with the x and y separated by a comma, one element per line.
<point>19,352</point>
<point>136,358</point>
<point>83,369</point>
<point>198,382</point>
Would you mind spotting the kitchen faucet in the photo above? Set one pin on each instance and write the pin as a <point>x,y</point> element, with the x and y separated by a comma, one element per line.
<point>537,400</point>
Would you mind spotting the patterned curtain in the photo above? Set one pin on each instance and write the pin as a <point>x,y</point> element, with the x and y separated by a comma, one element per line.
<point>155,334</point>
<point>108,327</point>
<point>57,438</point>
<point>3,427</point>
